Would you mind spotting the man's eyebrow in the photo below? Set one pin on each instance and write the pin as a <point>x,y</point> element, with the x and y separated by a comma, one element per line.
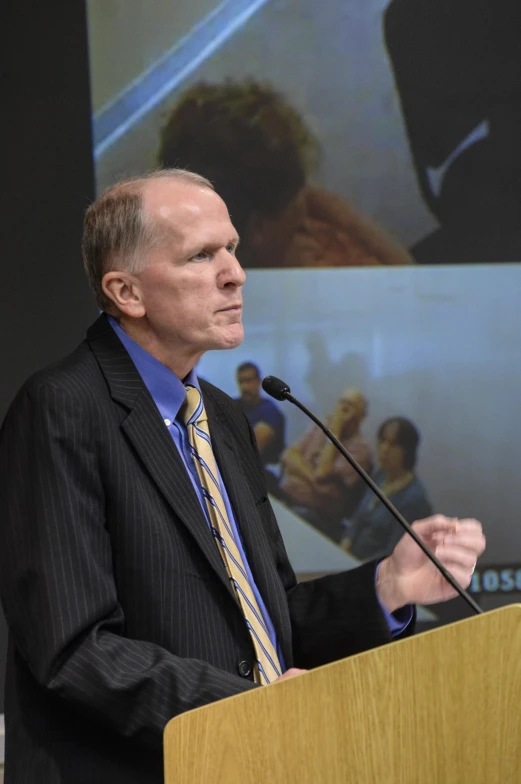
<point>205,244</point>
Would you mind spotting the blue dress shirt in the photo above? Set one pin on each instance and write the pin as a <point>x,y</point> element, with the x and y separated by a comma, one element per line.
<point>168,393</point>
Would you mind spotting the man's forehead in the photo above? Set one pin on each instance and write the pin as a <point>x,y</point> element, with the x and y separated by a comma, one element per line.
<point>351,395</point>
<point>390,431</point>
<point>184,207</point>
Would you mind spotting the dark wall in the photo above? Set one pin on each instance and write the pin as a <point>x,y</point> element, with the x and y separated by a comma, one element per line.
<point>45,303</point>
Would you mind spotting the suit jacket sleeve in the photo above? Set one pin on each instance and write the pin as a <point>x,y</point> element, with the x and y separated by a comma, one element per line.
<point>57,582</point>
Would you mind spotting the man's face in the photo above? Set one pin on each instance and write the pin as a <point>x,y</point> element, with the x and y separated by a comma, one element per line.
<point>249,384</point>
<point>191,284</point>
<point>350,407</point>
<point>390,453</point>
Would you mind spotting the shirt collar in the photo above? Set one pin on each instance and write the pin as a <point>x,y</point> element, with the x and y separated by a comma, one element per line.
<point>167,390</point>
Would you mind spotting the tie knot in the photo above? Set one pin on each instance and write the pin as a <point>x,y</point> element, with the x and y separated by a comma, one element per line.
<point>194,409</point>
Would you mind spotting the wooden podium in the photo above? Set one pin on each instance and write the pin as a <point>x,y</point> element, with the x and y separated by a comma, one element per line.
<point>444,706</point>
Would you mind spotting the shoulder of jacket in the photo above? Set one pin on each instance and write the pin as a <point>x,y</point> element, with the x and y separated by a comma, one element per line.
<point>76,373</point>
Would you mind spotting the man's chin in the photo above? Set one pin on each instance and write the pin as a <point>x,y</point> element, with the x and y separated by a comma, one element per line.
<point>231,338</point>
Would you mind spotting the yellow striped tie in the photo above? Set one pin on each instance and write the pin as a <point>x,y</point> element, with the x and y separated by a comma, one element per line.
<point>268,666</point>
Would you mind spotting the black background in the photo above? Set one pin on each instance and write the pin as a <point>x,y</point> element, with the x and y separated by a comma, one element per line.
<point>45,303</point>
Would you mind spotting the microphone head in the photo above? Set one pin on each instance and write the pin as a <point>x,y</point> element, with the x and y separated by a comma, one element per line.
<point>275,387</point>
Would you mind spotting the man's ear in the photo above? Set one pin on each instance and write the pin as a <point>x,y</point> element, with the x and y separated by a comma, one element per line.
<point>124,291</point>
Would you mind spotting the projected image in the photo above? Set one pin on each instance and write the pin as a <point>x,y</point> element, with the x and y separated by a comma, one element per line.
<point>416,375</point>
<point>340,134</point>
<point>368,153</point>
<point>257,151</point>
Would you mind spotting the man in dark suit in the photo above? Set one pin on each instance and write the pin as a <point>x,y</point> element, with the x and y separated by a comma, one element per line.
<point>115,574</point>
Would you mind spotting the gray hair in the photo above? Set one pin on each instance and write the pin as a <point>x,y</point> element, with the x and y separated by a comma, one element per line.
<point>116,232</point>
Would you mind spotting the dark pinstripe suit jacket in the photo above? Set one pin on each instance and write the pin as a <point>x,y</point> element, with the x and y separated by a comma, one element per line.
<point>118,604</point>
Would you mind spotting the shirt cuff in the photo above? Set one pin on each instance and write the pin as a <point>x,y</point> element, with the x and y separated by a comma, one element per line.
<point>399,620</point>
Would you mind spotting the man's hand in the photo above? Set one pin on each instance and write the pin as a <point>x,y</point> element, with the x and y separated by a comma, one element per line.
<point>290,674</point>
<point>294,463</point>
<point>264,435</point>
<point>408,577</point>
<point>341,417</point>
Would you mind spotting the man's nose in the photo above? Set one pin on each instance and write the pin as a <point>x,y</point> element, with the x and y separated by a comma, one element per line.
<point>231,272</point>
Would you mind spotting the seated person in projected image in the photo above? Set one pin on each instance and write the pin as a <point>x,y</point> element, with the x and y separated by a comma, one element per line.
<point>257,151</point>
<point>372,532</point>
<point>318,483</point>
<point>266,419</point>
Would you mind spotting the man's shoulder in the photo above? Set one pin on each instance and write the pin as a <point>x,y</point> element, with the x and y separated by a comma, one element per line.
<point>416,490</point>
<point>67,389</point>
<point>75,373</point>
<point>269,405</point>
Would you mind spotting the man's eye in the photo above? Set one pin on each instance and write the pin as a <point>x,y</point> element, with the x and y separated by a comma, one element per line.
<point>200,256</point>
<point>231,248</point>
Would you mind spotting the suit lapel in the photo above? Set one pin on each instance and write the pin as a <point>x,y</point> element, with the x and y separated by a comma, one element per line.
<point>145,430</point>
<point>256,545</point>
<point>149,437</point>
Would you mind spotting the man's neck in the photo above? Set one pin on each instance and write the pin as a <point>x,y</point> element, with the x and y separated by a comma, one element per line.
<point>174,359</point>
<point>395,476</point>
<point>351,431</point>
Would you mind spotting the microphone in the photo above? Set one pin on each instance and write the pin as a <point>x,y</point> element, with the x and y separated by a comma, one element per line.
<point>281,391</point>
